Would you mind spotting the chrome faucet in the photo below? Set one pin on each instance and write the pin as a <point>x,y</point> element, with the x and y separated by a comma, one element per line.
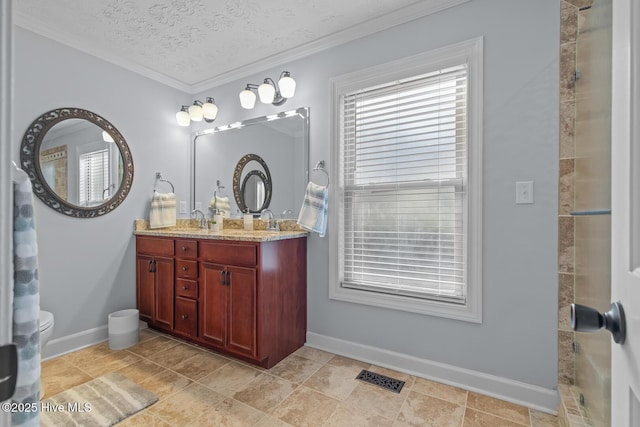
<point>272,224</point>
<point>202,222</point>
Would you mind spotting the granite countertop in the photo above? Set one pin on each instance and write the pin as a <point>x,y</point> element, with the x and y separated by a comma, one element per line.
<point>233,230</point>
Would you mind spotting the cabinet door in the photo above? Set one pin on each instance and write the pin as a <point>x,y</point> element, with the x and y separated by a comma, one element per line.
<point>164,292</point>
<point>213,303</point>
<point>241,311</point>
<point>145,287</point>
<point>186,318</point>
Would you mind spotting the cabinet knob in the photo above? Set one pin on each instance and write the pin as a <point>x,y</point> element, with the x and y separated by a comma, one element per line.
<point>184,249</point>
<point>184,316</point>
<point>184,288</point>
<point>184,268</point>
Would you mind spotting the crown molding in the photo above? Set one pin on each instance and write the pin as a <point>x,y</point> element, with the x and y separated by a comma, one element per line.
<point>397,17</point>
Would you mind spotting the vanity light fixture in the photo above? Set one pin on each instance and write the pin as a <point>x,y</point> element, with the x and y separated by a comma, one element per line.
<point>198,111</point>
<point>269,92</point>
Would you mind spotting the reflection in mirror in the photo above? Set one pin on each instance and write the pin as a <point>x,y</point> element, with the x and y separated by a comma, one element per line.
<point>253,191</point>
<point>281,140</point>
<point>78,162</point>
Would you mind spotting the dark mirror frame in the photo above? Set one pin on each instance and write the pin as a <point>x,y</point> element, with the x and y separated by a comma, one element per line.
<point>30,161</point>
<point>238,194</point>
<point>243,187</point>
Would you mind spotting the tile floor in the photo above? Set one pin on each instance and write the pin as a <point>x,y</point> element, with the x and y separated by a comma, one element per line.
<point>309,388</point>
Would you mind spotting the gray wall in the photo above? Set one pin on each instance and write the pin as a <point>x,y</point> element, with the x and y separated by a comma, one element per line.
<point>87,266</point>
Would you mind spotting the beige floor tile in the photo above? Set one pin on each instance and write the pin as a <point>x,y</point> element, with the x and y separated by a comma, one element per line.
<point>147,334</point>
<point>265,392</point>
<point>269,421</point>
<point>141,370</point>
<point>88,356</point>
<point>165,383</point>
<point>422,410</point>
<point>314,354</point>
<point>334,380</point>
<point>442,391</point>
<point>305,407</point>
<point>230,413</point>
<point>58,375</point>
<point>295,369</point>
<point>510,411</point>
<point>153,346</point>
<point>377,400</point>
<point>345,361</point>
<point>111,363</point>
<point>187,406</point>
<point>144,418</point>
<point>170,357</point>
<point>473,418</point>
<point>230,378</point>
<point>200,365</point>
<point>355,417</point>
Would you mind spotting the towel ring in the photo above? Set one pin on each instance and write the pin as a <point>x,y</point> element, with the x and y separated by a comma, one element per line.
<point>320,167</point>
<point>159,178</point>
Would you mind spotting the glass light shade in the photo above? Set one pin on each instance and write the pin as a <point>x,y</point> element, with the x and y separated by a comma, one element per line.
<point>247,99</point>
<point>266,92</point>
<point>209,110</point>
<point>106,137</point>
<point>195,113</point>
<point>182,117</point>
<point>287,86</point>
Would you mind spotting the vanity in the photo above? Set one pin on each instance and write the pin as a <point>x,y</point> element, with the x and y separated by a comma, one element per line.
<point>240,293</point>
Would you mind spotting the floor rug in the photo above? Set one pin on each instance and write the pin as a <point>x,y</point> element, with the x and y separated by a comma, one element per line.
<point>103,401</point>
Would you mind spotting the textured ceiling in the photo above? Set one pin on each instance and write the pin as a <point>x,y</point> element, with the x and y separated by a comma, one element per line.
<point>192,43</point>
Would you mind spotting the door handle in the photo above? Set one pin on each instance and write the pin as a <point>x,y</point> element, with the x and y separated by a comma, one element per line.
<point>222,278</point>
<point>228,276</point>
<point>587,319</point>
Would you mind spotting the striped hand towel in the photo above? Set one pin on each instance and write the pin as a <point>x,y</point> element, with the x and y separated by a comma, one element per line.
<point>163,210</point>
<point>313,214</point>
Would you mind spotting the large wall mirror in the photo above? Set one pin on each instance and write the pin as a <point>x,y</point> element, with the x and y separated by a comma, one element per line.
<point>78,162</point>
<point>261,163</point>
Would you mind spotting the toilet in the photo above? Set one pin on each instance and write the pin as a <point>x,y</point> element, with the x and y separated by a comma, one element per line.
<point>46,328</point>
<point>46,331</point>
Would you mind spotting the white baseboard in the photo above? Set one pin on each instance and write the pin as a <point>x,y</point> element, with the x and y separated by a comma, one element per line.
<point>529,395</point>
<point>63,345</point>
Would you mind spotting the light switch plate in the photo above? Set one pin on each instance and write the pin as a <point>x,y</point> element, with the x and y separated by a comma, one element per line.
<point>183,206</point>
<point>524,192</point>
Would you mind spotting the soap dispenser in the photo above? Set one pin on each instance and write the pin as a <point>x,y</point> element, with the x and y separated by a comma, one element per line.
<point>248,221</point>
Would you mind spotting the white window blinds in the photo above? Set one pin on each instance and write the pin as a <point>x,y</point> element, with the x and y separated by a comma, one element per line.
<point>94,177</point>
<point>403,153</point>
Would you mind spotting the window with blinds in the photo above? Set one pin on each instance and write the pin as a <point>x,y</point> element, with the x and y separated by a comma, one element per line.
<point>94,177</point>
<point>403,151</point>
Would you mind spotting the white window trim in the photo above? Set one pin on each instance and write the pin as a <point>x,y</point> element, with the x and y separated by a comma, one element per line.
<point>471,52</point>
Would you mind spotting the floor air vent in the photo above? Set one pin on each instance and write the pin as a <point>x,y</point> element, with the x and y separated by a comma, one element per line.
<point>380,380</point>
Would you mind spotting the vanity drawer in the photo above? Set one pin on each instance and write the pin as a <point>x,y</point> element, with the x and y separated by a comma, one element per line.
<point>229,253</point>
<point>186,316</point>
<point>159,246</point>
<point>186,288</point>
<point>186,269</point>
<point>186,248</point>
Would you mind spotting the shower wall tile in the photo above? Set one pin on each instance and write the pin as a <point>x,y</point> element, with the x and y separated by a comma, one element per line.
<point>567,129</point>
<point>569,19</point>
<point>581,3</point>
<point>565,298</point>
<point>565,357</point>
<point>567,71</point>
<point>565,244</point>
<point>566,189</point>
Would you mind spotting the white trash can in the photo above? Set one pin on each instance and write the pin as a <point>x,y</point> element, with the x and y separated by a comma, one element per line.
<point>123,329</point>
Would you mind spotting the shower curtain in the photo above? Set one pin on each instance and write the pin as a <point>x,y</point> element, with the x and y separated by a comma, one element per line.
<point>26,307</point>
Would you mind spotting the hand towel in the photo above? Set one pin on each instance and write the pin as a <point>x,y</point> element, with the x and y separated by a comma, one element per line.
<point>26,305</point>
<point>222,205</point>
<point>313,214</point>
<point>163,210</point>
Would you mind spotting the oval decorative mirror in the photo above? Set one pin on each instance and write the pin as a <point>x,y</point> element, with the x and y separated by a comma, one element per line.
<point>79,163</point>
<point>254,194</point>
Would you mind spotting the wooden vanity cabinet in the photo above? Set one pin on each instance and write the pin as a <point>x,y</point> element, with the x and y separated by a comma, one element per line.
<point>244,299</point>
<point>155,278</point>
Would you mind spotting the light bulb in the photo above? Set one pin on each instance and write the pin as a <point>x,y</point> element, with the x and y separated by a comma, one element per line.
<point>247,99</point>
<point>195,113</point>
<point>287,86</point>
<point>266,92</point>
<point>209,110</point>
<point>182,117</point>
